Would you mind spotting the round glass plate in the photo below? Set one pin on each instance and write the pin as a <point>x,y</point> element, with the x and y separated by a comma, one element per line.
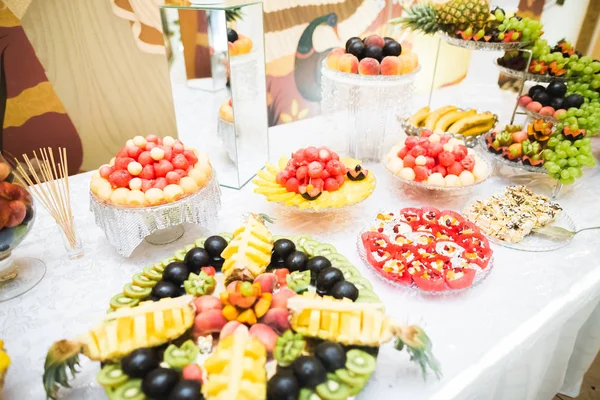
<point>470,141</point>
<point>528,76</point>
<point>513,164</point>
<point>480,275</point>
<point>30,272</point>
<point>536,115</point>
<point>455,190</point>
<point>481,45</point>
<point>368,80</point>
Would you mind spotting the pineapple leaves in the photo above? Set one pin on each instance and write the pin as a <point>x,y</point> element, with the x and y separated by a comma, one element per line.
<point>418,345</point>
<point>62,355</point>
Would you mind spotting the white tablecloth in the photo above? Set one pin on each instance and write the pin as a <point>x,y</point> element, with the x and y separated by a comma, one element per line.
<point>531,328</point>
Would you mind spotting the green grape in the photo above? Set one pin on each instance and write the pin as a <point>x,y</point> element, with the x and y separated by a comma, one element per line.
<point>581,121</point>
<point>588,93</point>
<point>583,86</point>
<point>578,143</point>
<point>553,168</point>
<point>526,32</point>
<point>561,116</point>
<point>502,27</point>
<point>572,161</point>
<point>595,65</point>
<point>574,172</point>
<point>547,153</point>
<point>572,152</point>
<point>564,174</point>
<point>578,67</point>
<point>586,78</point>
<point>586,59</point>
<point>567,181</point>
<point>552,142</point>
<point>569,73</point>
<point>561,154</point>
<point>571,112</point>
<point>579,112</point>
<point>586,141</point>
<point>582,159</point>
<point>587,151</point>
<point>574,57</point>
<point>588,70</point>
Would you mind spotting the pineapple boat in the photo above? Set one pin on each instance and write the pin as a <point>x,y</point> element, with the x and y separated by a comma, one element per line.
<point>294,319</point>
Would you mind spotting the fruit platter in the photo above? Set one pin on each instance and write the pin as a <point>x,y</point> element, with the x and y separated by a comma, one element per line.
<point>372,56</point>
<point>471,24</point>
<point>465,124</point>
<point>315,180</point>
<point>426,250</point>
<point>151,185</point>
<point>551,102</point>
<point>511,219</point>
<point>240,316</point>
<point>436,162</point>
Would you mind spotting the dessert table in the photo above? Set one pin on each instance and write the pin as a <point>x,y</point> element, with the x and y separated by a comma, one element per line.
<point>530,330</point>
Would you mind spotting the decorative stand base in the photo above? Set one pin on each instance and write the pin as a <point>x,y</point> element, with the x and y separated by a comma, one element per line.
<point>165,236</point>
<point>28,272</point>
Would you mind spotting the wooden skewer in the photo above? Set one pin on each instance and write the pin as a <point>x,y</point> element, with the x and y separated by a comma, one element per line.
<point>51,187</point>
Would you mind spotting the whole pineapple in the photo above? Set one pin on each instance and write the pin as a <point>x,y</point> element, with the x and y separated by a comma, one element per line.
<point>449,17</point>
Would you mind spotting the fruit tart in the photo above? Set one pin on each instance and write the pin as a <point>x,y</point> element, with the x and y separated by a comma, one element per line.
<point>426,249</point>
<point>315,179</point>
<point>245,315</point>
<point>436,161</point>
<point>150,171</point>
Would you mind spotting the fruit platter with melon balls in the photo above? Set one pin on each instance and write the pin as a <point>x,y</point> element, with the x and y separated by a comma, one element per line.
<point>426,249</point>
<point>245,315</point>
<point>465,124</point>
<point>372,55</point>
<point>471,24</point>
<point>436,162</point>
<point>315,179</point>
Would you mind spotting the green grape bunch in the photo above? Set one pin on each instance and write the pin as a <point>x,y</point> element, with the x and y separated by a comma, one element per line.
<point>564,158</point>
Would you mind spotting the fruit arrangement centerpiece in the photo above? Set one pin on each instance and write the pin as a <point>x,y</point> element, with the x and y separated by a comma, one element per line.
<point>471,24</point>
<point>372,55</point>
<point>436,161</point>
<point>426,249</point>
<point>152,184</point>
<point>315,179</point>
<point>546,62</point>
<point>238,44</point>
<point>465,124</point>
<point>242,315</point>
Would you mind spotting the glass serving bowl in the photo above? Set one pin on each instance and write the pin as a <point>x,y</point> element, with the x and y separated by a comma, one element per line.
<point>528,76</point>
<point>514,164</point>
<point>481,45</point>
<point>535,115</point>
<point>17,216</point>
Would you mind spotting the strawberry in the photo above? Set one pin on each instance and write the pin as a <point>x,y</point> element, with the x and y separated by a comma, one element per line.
<point>134,152</point>
<point>105,171</point>
<point>180,162</point>
<point>292,184</point>
<point>144,158</point>
<point>421,173</point>
<point>409,161</point>
<point>315,168</point>
<point>178,148</point>
<point>121,163</point>
<point>331,185</point>
<point>446,158</point>
<point>168,152</point>
<point>456,168</point>
<point>147,172</point>
<point>311,154</point>
<point>190,156</point>
<point>411,142</point>
<point>147,184</point>
<point>172,177</point>
<point>160,183</point>
<point>120,179</point>
<point>210,270</point>
<point>162,167</point>
<point>440,169</point>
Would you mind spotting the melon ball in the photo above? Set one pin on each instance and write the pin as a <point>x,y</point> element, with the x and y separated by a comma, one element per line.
<point>112,162</point>
<point>449,147</point>
<point>407,173</point>
<point>136,198</point>
<point>173,192</point>
<point>135,184</point>
<point>129,143</point>
<point>188,185</point>
<point>103,189</point>
<point>203,159</point>
<point>96,175</point>
<point>119,196</point>
<point>466,178</point>
<point>154,196</point>
<point>421,160</point>
<point>396,165</point>
<point>436,179</point>
<point>134,168</point>
<point>198,175</point>
<point>168,141</point>
<point>140,141</point>
<point>452,180</point>
<point>480,171</point>
<point>434,138</point>
<point>157,153</point>
<point>454,141</point>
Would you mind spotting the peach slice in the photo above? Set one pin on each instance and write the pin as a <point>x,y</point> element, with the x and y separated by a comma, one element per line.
<point>267,282</point>
<point>208,322</point>
<point>280,298</point>
<point>204,303</point>
<point>228,329</point>
<point>277,319</point>
<point>230,313</point>
<point>266,335</point>
<point>247,317</point>
<point>262,305</point>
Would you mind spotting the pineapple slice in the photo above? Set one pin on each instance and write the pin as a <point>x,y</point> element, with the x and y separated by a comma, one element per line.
<point>149,324</point>
<point>363,324</point>
<point>249,252</point>
<point>236,370</point>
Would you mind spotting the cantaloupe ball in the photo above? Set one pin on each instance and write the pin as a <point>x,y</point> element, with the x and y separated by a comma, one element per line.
<point>112,162</point>
<point>134,168</point>
<point>456,142</point>
<point>136,198</point>
<point>119,196</point>
<point>157,153</point>
<point>436,179</point>
<point>188,185</point>
<point>452,180</point>
<point>434,138</point>
<point>420,160</point>
<point>103,189</point>
<point>203,160</point>
<point>154,196</point>
<point>168,141</point>
<point>135,184</point>
<point>407,173</point>
<point>140,141</point>
<point>480,171</point>
<point>129,143</point>
<point>200,176</point>
<point>466,178</point>
<point>396,165</point>
<point>448,147</point>
<point>173,192</point>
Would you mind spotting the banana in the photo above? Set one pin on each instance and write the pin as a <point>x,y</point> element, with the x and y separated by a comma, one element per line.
<point>418,118</point>
<point>448,119</point>
<point>469,122</point>
<point>436,115</point>
<point>479,129</point>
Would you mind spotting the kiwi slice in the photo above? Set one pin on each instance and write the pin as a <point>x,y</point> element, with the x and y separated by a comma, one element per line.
<point>360,362</point>
<point>142,280</point>
<point>348,271</point>
<point>308,394</point>
<point>362,282</point>
<point>227,236</point>
<point>121,300</point>
<point>333,389</point>
<point>188,247</point>
<point>179,357</point>
<point>132,390</point>
<point>324,249</point>
<point>351,379</point>
<point>200,242</point>
<point>309,246</point>
<point>168,261</point>
<point>152,274</point>
<point>336,257</point>
<point>158,267</point>
<point>111,376</point>
<point>299,240</point>
<point>135,291</point>
<point>180,254</point>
